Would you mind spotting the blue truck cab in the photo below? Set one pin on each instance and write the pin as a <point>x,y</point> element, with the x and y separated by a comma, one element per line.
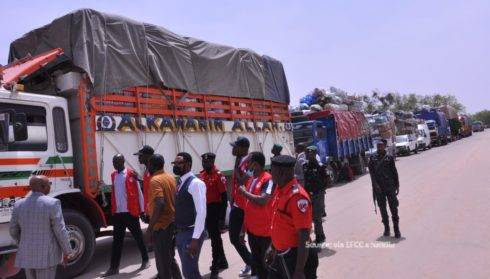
<point>437,124</point>
<point>338,140</point>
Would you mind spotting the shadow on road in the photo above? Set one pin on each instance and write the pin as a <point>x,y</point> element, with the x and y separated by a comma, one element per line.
<point>326,253</point>
<point>342,183</point>
<point>390,239</point>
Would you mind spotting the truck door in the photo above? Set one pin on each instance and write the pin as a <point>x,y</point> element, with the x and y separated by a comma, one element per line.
<point>22,157</point>
<point>61,159</point>
<point>320,138</point>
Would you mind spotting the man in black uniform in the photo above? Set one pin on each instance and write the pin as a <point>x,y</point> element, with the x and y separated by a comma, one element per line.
<point>315,176</point>
<point>384,178</point>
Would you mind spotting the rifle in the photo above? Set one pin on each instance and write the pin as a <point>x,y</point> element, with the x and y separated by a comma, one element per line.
<point>374,201</point>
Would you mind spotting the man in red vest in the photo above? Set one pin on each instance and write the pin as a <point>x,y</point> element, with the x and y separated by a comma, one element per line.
<point>258,192</point>
<point>240,176</point>
<point>126,206</point>
<point>144,155</point>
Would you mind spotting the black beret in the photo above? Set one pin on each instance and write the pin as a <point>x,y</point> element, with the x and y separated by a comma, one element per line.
<point>283,161</point>
<point>208,156</point>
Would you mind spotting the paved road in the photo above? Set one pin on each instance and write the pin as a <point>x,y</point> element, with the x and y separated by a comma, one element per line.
<point>444,220</point>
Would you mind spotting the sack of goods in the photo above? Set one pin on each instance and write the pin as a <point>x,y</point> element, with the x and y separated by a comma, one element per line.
<point>386,134</point>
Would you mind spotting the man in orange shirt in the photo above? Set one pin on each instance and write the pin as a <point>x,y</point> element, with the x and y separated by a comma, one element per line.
<point>161,209</point>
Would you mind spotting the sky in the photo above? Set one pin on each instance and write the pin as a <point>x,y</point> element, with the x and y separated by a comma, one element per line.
<point>423,47</point>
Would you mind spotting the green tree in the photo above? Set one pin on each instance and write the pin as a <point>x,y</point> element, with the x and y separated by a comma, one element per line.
<point>483,116</point>
<point>438,100</point>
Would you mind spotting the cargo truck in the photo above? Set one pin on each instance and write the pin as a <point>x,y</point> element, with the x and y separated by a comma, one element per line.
<point>437,123</point>
<point>78,116</point>
<point>342,137</point>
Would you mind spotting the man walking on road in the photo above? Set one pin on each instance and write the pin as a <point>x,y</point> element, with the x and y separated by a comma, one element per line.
<point>161,209</point>
<point>190,215</point>
<point>315,176</point>
<point>126,206</point>
<point>217,201</point>
<point>240,176</point>
<point>144,155</point>
<point>384,178</point>
<point>38,228</point>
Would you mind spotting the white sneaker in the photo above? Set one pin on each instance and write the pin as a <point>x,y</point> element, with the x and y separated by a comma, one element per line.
<point>245,271</point>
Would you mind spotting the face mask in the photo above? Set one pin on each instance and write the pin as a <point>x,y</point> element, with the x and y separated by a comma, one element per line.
<point>249,172</point>
<point>178,171</point>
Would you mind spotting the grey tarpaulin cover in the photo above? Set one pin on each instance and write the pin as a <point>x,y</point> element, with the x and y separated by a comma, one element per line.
<point>117,52</point>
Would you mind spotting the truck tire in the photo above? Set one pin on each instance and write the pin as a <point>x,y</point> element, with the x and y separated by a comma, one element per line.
<point>416,150</point>
<point>82,240</point>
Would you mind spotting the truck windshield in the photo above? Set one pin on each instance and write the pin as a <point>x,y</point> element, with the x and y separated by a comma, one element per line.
<point>402,138</point>
<point>303,133</point>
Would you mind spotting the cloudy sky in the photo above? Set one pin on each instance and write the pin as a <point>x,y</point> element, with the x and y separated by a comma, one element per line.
<point>412,46</point>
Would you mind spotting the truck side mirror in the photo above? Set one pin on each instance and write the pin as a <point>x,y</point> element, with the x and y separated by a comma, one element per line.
<point>20,127</point>
<point>4,130</point>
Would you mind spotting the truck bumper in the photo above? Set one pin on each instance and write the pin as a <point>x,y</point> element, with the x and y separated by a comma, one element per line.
<point>7,244</point>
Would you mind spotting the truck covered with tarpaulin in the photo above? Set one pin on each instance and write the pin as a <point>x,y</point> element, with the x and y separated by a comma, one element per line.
<point>340,136</point>
<point>92,85</point>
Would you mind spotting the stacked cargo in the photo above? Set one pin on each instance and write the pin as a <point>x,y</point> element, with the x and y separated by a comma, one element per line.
<point>333,99</point>
<point>405,123</point>
<point>453,120</point>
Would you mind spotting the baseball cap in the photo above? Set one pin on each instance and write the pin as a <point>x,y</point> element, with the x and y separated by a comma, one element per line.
<point>145,150</point>
<point>241,142</point>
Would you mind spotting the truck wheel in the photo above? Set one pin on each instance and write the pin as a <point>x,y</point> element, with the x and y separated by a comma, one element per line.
<point>82,241</point>
<point>416,150</point>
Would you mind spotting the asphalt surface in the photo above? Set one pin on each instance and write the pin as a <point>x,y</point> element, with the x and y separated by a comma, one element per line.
<point>444,220</point>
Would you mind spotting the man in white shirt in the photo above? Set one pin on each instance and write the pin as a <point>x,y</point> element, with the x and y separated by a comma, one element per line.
<point>190,215</point>
<point>126,206</point>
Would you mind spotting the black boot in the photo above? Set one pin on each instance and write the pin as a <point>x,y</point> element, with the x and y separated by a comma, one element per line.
<point>387,229</point>
<point>396,228</point>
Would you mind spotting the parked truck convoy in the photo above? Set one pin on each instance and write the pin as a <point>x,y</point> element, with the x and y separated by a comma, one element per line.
<point>78,115</point>
<point>342,137</point>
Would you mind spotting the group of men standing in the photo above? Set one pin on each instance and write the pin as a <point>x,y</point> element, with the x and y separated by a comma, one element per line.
<point>274,209</point>
<point>271,208</point>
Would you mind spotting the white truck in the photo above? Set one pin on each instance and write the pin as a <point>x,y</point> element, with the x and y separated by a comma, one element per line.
<point>71,137</point>
<point>423,139</point>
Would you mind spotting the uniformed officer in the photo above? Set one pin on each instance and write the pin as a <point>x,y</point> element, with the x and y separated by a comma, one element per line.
<point>288,255</point>
<point>217,201</point>
<point>384,178</point>
<point>315,176</point>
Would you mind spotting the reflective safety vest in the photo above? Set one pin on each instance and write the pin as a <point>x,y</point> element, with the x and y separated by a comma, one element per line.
<point>258,218</point>
<point>131,192</point>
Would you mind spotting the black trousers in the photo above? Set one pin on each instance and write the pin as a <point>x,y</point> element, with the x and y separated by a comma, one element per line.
<point>387,196</point>
<point>213,228</point>
<point>164,248</point>
<point>259,245</point>
<point>236,223</point>
<point>283,266</point>
<point>121,221</point>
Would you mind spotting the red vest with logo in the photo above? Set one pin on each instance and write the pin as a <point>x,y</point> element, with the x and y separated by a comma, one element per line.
<point>131,192</point>
<point>258,218</point>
